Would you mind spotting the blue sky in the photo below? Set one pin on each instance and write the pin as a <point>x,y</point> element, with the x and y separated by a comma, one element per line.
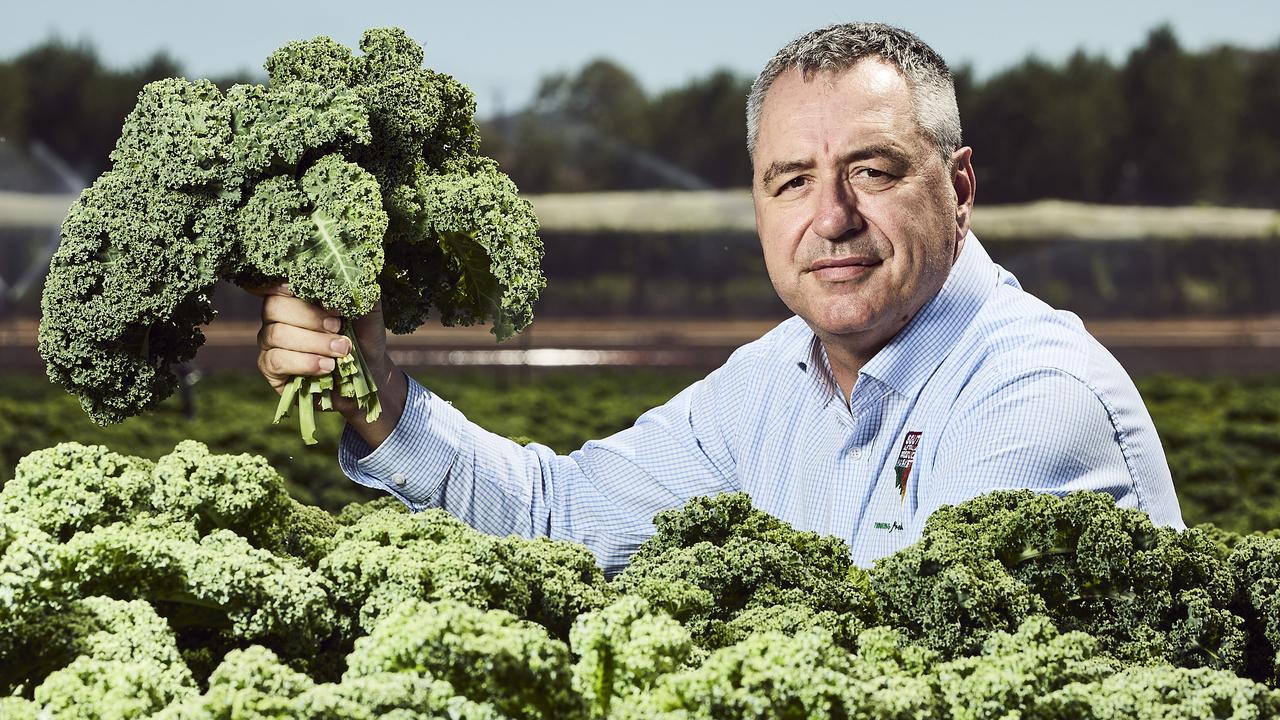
<point>501,49</point>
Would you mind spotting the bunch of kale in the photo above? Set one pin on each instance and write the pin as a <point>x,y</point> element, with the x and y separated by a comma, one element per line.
<point>195,587</point>
<point>353,178</point>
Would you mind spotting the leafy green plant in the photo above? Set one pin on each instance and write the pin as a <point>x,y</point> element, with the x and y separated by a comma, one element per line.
<point>193,587</point>
<point>353,178</point>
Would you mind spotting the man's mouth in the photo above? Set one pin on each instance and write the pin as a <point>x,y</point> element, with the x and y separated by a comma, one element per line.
<point>841,269</point>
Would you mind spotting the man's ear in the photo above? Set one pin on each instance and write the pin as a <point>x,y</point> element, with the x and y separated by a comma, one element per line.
<point>964,184</point>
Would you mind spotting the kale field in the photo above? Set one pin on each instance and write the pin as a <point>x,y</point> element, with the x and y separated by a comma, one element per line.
<point>153,576</point>
<point>1222,435</point>
<point>193,561</point>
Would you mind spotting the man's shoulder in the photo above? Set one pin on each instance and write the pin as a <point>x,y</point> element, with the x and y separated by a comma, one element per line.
<point>789,341</point>
<point>1016,331</point>
<point>759,367</point>
<point>1019,340</point>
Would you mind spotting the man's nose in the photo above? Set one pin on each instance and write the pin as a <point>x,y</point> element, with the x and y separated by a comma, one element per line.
<point>837,217</point>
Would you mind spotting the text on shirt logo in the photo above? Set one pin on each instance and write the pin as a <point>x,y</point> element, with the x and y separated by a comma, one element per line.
<point>906,458</point>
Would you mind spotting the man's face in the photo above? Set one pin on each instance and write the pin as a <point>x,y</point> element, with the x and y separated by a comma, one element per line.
<point>859,217</point>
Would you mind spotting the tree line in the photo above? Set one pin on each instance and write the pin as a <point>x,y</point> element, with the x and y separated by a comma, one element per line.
<point>1167,126</point>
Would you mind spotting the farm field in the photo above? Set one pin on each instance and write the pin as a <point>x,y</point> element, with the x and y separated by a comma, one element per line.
<point>1222,435</point>
<point>157,577</point>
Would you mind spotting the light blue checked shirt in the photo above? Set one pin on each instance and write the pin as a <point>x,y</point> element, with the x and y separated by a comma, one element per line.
<point>986,388</point>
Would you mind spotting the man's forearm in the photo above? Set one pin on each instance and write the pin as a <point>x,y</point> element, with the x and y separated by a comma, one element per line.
<point>392,392</point>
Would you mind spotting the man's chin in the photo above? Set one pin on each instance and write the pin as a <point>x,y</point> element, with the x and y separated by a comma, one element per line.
<point>841,327</point>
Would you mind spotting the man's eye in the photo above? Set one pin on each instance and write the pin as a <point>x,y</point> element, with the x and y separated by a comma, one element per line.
<point>872,174</point>
<point>794,183</point>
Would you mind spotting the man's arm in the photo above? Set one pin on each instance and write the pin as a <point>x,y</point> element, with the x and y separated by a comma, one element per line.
<point>603,495</point>
<point>1047,430</point>
<point>427,454</point>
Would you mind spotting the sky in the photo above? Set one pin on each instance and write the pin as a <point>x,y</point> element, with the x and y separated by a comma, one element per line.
<point>502,49</point>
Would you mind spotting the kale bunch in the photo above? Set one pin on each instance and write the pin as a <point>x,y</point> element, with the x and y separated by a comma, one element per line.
<point>212,542</point>
<point>383,558</point>
<point>354,178</point>
<point>805,676</point>
<point>192,587</point>
<point>727,570</point>
<point>988,564</point>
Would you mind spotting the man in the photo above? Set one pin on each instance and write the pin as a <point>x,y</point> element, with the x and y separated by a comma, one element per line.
<point>916,372</point>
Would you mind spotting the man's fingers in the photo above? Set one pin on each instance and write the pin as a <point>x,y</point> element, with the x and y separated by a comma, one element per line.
<point>292,311</point>
<point>298,339</point>
<point>278,365</point>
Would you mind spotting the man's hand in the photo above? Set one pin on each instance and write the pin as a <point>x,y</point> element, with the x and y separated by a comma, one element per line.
<point>299,338</point>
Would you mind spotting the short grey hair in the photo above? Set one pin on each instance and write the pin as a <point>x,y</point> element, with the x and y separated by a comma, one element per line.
<point>840,47</point>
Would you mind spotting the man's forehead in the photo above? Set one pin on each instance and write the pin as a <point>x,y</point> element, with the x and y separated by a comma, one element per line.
<point>872,76</point>
<point>871,89</point>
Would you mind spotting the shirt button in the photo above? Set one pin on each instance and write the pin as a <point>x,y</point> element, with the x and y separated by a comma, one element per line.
<point>399,479</point>
<point>856,453</point>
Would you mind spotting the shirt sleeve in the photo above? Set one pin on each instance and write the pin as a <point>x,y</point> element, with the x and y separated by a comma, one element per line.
<point>603,495</point>
<point>1044,430</point>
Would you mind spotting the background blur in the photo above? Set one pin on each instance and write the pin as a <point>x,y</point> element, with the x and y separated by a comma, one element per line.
<point>1128,159</point>
<point>1127,156</point>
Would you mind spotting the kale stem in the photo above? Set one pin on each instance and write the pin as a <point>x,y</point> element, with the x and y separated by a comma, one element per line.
<point>367,387</point>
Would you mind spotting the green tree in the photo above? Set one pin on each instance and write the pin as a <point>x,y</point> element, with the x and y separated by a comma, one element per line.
<point>1042,131</point>
<point>75,105</point>
<point>701,127</point>
<point>1254,178</point>
<point>1182,117</point>
<point>13,90</point>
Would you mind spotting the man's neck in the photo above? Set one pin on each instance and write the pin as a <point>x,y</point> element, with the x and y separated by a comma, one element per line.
<point>846,360</point>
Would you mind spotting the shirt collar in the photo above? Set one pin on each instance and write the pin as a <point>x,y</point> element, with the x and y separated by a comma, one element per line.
<point>914,354</point>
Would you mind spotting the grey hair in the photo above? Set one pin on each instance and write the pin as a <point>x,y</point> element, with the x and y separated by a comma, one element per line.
<point>839,47</point>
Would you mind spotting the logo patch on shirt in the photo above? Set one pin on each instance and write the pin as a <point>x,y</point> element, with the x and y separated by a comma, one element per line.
<point>906,458</point>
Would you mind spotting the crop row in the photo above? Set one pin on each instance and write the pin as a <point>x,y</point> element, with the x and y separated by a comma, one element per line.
<point>1222,435</point>
<point>194,587</point>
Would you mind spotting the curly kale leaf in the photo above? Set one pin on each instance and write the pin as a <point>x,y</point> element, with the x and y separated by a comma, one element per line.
<point>718,557</point>
<point>35,586</point>
<point>323,233</point>
<point>488,236</point>
<point>241,494</point>
<point>805,677</point>
<point>1255,564</point>
<point>217,588</point>
<point>128,290</point>
<point>72,487</point>
<point>1016,669</point>
<point>624,649</point>
<point>988,564</point>
<point>180,134</point>
<point>389,557</point>
<point>1161,692</point>
<point>254,683</point>
<point>127,664</point>
<point>487,656</point>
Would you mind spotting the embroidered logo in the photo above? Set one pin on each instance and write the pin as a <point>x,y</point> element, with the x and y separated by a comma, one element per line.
<point>906,458</point>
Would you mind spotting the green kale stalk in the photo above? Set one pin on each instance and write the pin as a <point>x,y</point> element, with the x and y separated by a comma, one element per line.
<point>353,178</point>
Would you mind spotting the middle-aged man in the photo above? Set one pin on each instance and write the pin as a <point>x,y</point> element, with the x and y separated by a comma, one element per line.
<point>915,373</point>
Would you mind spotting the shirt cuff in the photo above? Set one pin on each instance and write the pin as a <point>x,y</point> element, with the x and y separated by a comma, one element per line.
<point>414,460</point>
